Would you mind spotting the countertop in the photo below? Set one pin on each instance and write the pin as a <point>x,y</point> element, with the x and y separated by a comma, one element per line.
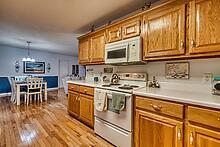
<point>175,95</point>
<point>84,83</point>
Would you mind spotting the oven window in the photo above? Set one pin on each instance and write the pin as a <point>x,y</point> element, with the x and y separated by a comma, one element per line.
<point>115,54</point>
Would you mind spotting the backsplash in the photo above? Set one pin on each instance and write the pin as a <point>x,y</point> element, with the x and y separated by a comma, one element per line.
<point>198,67</point>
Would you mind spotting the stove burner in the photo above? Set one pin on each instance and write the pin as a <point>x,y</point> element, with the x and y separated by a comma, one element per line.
<point>134,86</point>
<point>107,85</point>
<point>126,88</point>
<point>117,84</point>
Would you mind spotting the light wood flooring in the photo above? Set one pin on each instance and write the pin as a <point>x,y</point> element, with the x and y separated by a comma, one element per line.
<point>44,124</point>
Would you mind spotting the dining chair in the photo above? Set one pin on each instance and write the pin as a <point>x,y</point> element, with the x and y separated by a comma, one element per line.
<point>34,87</point>
<point>14,92</point>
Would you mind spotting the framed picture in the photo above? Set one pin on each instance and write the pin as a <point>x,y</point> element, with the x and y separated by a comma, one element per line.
<point>34,67</point>
<point>178,70</point>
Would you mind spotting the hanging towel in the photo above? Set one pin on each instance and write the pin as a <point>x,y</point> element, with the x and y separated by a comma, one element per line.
<point>100,100</point>
<point>118,101</point>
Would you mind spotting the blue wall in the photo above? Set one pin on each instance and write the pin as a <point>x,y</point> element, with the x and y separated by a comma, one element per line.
<point>4,85</point>
<point>52,82</point>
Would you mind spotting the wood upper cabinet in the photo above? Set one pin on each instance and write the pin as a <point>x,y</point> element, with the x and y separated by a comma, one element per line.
<point>73,103</point>
<point>87,109</point>
<point>84,50</point>
<point>131,28</point>
<point>202,137</point>
<point>164,31</point>
<point>114,33</point>
<point>98,47</point>
<point>204,26</point>
<point>157,131</point>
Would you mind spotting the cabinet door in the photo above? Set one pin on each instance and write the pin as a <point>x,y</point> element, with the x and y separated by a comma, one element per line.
<point>204,29</point>
<point>152,130</point>
<point>98,47</point>
<point>73,103</point>
<point>84,50</point>
<point>202,137</point>
<point>114,33</point>
<point>131,29</point>
<point>164,32</point>
<point>86,109</point>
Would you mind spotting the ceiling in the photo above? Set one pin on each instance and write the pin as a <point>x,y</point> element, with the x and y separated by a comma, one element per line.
<point>53,25</point>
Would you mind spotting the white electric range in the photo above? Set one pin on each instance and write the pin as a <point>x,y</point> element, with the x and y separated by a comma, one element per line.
<point>117,128</point>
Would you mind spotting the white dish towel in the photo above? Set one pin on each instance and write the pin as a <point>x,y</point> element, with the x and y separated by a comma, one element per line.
<point>100,99</point>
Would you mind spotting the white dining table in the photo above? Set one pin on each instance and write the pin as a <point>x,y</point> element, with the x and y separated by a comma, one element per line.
<point>18,90</point>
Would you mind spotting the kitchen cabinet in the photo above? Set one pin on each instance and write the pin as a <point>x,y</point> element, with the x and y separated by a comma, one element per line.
<point>157,123</point>
<point>98,47</point>
<point>202,137</point>
<point>73,103</point>
<point>84,50</point>
<point>157,131</point>
<point>114,33</point>
<point>164,31</point>
<point>86,109</point>
<point>204,30</point>
<point>131,28</point>
<point>81,103</point>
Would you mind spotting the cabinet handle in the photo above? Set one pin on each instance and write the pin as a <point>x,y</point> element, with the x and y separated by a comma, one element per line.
<point>118,34</point>
<point>182,44</point>
<point>192,43</point>
<point>156,108</point>
<point>179,134</point>
<point>191,140</point>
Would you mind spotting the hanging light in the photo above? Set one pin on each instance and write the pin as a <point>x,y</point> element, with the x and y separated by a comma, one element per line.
<point>28,59</point>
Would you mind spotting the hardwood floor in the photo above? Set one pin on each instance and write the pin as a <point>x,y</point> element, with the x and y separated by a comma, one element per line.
<point>44,124</point>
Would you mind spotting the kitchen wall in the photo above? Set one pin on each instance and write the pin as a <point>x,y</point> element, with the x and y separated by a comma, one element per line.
<point>9,55</point>
<point>198,67</point>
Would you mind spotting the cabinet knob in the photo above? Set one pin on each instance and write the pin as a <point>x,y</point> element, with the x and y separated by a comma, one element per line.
<point>191,139</point>
<point>193,44</point>
<point>156,108</point>
<point>182,44</point>
<point>179,134</point>
<point>85,91</point>
<point>219,119</point>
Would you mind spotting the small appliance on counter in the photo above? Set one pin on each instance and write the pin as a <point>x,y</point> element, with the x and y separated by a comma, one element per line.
<point>216,85</point>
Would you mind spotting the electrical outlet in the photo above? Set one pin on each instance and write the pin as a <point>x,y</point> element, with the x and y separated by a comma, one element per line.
<point>207,78</point>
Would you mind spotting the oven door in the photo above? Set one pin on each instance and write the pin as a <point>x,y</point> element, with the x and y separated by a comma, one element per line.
<point>116,54</point>
<point>122,119</point>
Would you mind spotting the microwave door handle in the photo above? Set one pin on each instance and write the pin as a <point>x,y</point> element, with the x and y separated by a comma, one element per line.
<point>128,52</point>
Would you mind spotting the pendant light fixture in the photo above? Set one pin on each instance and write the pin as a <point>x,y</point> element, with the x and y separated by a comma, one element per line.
<point>28,59</point>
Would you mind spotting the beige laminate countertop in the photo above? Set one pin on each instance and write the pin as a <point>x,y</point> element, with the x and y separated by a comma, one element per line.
<point>188,97</point>
<point>84,83</point>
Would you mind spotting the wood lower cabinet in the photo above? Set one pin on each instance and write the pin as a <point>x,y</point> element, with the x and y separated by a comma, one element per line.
<point>98,48</point>
<point>84,51</point>
<point>87,109</point>
<point>73,103</point>
<point>81,103</point>
<point>156,131</point>
<point>202,137</point>
<point>164,32</point>
<point>204,30</point>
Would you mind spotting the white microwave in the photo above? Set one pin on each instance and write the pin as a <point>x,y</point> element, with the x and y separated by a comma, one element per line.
<point>125,51</point>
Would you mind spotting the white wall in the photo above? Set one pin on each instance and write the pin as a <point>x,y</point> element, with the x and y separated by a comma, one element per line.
<point>9,55</point>
<point>197,69</point>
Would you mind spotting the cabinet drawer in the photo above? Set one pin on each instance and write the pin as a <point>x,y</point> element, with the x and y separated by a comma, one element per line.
<point>204,116</point>
<point>73,87</point>
<point>167,108</point>
<point>86,90</point>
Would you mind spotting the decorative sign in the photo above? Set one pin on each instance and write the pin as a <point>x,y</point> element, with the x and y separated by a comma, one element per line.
<point>17,66</point>
<point>179,70</point>
<point>34,67</point>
